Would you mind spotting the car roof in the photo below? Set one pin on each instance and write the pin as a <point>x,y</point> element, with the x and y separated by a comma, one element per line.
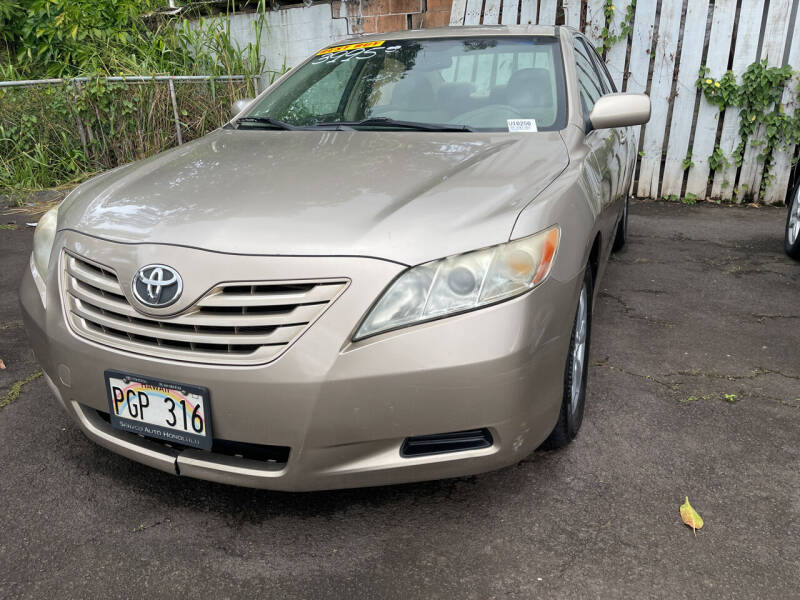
<point>458,31</point>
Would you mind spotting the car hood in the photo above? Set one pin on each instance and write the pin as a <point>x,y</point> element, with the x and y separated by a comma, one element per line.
<point>402,196</point>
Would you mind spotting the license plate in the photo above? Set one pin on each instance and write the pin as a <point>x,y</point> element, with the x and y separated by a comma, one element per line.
<point>166,410</point>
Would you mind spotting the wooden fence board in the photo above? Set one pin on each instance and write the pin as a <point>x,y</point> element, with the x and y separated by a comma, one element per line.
<point>705,130</point>
<point>618,52</point>
<point>641,42</point>
<point>680,129</point>
<point>782,165</point>
<point>547,12</point>
<point>510,12</point>
<point>473,14</point>
<point>595,21</point>
<point>775,31</point>
<point>457,11</point>
<point>639,63</point>
<point>528,12</point>
<point>747,33</point>
<point>491,12</point>
<point>572,13</point>
<point>660,90</point>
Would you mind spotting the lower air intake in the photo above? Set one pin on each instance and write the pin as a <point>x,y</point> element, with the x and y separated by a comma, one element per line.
<point>440,443</point>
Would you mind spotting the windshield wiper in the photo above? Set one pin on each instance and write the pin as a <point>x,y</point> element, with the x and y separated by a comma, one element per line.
<point>277,124</point>
<point>345,125</point>
<point>388,122</point>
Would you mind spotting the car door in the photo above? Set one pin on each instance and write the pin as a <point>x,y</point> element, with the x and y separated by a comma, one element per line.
<point>601,143</point>
<point>622,166</point>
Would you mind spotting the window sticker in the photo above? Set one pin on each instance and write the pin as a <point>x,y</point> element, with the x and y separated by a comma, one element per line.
<point>522,125</point>
<point>351,47</point>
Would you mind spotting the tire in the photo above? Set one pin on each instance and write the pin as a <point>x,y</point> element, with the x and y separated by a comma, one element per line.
<point>792,239</point>
<point>574,396</point>
<point>622,230</point>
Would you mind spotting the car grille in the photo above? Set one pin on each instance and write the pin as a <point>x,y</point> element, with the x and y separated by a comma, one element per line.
<point>234,323</point>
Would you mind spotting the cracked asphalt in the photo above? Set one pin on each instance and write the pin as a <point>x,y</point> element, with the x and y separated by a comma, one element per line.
<point>694,390</point>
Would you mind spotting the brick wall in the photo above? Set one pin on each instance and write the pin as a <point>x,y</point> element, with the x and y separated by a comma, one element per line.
<point>379,16</point>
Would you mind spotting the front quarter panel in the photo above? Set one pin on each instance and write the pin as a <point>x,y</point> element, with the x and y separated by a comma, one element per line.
<point>572,202</point>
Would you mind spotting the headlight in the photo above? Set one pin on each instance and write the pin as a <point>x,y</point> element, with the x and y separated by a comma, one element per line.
<point>43,240</point>
<point>464,282</point>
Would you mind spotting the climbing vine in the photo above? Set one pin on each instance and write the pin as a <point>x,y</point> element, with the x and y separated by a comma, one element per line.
<point>758,98</point>
<point>717,160</point>
<point>609,38</point>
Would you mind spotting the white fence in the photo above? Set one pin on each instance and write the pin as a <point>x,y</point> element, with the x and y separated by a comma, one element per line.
<point>668,42</point>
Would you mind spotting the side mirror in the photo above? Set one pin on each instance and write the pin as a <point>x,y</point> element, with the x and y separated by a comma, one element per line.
<point>620,110</point>
<point>239,106</point>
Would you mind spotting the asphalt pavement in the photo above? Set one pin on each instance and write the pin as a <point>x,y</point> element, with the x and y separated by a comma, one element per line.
<point>694,390</point>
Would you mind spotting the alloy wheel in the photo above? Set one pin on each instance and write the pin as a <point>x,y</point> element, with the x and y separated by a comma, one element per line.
<point>579,348</point>
<point>793,228</point>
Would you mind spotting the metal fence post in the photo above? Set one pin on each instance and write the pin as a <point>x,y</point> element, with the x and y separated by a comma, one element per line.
<point>76,90</point>
<point>175,111</point>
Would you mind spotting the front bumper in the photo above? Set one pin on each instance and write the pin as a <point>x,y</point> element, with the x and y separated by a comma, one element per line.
<point>344,409</point>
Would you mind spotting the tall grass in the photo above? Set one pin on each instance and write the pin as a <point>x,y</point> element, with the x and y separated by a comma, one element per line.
<point>57,134</point>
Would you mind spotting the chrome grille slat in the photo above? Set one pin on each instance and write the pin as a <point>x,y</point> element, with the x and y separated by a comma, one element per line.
<point>319,293</point>
<point>100,281</point>
<point>279,335</point>
<point>198,355</point>
<point>234,323</point>
<point>300,315</point>
<point>78,291</point>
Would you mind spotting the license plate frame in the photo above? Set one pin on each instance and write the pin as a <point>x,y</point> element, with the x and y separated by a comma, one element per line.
<point>130,412</point>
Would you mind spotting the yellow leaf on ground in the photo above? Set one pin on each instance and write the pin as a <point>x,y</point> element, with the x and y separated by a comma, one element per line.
<point>690,516</point>
<point>2,364</point>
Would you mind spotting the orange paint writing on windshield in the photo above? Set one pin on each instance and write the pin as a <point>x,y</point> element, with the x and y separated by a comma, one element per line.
<point>351,47</point>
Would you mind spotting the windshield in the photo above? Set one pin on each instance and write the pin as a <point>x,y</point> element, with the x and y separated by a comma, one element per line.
<point>478,83</point>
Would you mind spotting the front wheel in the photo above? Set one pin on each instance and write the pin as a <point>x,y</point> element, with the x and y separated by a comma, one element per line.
<point>792,241</point>
<point>575,371</point>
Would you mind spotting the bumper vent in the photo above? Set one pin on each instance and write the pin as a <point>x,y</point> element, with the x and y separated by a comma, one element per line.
<point>234,323</point>
<point>440,443</point>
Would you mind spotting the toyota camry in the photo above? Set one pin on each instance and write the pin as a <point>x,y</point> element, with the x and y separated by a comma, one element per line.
<point>381,270</point>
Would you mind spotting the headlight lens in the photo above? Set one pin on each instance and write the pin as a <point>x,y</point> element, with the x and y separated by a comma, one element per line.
<point>464,282</point>
<point>43,239</point>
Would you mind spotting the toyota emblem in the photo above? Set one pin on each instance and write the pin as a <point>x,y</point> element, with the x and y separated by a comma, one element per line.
<point>157,286</point>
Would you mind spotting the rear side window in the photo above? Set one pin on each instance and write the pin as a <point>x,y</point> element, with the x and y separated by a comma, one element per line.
<point>588,82</point>
<point>602,70</point>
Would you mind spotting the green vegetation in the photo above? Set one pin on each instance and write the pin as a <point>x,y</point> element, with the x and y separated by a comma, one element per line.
<point>70,38</point>
<point>731,398</point>
<point>689,198</point>
<point>16,388</point>
<point>717,160</point>
<point>758,98</point>
<point>608,37</point>
<point>56,134</point>
<point>687,163</point>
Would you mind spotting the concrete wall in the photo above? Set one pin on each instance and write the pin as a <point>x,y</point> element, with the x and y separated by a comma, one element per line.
<point>294,33</point>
